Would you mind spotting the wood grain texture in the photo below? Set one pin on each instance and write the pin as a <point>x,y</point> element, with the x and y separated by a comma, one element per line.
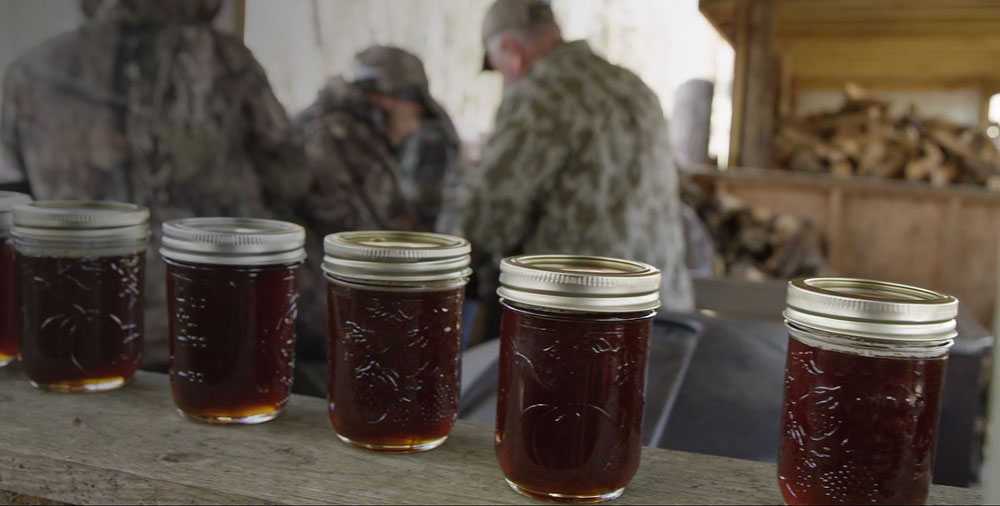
<point>890,230</point>
<point>130,446</point>
<point>917,44</point>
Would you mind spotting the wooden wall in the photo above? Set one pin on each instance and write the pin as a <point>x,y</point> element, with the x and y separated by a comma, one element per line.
<point>942,239</point>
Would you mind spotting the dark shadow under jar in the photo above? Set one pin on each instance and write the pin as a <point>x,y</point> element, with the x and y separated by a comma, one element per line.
<point>232,296</point>
<point>395,313</point>
<point>574,344</point>
<point>81,270</point>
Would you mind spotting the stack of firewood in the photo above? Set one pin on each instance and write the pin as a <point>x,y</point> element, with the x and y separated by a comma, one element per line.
<point>753,243</point>
<point>864,139</point>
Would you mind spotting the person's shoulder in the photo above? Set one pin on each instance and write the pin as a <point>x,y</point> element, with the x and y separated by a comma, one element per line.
<point>331,105</point>
<point>231,54</point>
<point>620,77</point>
<point>64,51</point>
<point>538,94</point>
<point>576,74</point>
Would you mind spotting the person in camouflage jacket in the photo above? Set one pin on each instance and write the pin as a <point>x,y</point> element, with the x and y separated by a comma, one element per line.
<point>430,163</point>
<point>579,161</point>
<point>352,134</point>
<point>147,103</point>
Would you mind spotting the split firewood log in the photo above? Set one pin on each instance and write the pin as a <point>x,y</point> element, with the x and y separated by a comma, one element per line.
<point>753,242</point>
<point>945,173</point>
<point>863,138</point>
<point>919,169</point>
<point>881,158</point>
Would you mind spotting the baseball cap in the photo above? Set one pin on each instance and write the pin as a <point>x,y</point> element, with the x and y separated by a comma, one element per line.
<point>514,14</point>
<point>395,72</point>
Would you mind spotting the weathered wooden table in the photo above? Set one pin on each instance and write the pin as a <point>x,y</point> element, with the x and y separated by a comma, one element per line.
<point>130,446</point>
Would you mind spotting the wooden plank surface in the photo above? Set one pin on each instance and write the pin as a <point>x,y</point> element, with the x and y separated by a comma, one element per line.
<point>130,446</point>
<point>864,222</point>
<point>879,43</point>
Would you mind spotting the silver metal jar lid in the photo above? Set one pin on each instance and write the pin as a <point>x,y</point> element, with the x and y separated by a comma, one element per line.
<point>233,241</point>
<point>80,221</point>
<point>7,202</point>
<point>872,309</point>
<point>385,256</point>
<point>580,283</point>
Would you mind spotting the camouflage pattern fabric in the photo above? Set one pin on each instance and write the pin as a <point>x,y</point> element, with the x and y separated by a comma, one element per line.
<point>580,163</point>
<point>146,103</point>
<point>357,183</point>
<point>430,165</point>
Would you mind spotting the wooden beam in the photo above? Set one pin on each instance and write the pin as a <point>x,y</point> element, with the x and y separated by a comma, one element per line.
<point>720,14</point>
<point>232,18</point>
<point>740,39</point>
<point>934,44</point>
<point>240,18</point>
<point>803,28</point>
<point>787,89</point>
<point>755,86</point>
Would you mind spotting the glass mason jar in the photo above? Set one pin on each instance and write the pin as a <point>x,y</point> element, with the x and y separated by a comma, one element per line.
<point>395,319</point>
<point>81,268</point>
<point>574,341</point>
<point>232,302</point>
<point>863,382</point>
<point>10,304</point>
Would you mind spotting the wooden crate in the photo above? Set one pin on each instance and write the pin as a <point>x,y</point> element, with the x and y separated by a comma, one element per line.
<point>942,239</point>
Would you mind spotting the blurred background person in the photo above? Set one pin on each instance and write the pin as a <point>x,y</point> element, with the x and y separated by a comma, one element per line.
<point>579,161</point>
<point>430,163</point>
<point>147,103</point>
<point>353,134</point>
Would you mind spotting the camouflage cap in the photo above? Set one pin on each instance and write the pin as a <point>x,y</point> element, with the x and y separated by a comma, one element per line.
<point>392,71</point>
<point>514,14</point>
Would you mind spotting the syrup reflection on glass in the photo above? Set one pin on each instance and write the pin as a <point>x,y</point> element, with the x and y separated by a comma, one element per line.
<point>81,320</point>
<point>570,401</point>
<point>394,365</point>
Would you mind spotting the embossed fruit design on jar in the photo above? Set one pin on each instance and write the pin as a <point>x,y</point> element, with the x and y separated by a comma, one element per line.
<point>574,341</point>
<point>395,315</point>
<point>232,300</point>
<point>10,301</point>
<point>81,269</point>
<point>863,382</point>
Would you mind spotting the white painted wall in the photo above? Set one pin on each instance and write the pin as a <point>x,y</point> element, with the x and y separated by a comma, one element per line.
<point>301,43</point>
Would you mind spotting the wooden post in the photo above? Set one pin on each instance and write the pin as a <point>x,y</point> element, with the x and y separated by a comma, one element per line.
<point>231,18</point>
<point>787,92</point>
<point>754,86</point>
<point>690,123</point>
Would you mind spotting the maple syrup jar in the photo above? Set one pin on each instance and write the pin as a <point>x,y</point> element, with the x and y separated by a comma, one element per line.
<point>9,301</point>
<point>863,382</point>
<point>81,270</point>
<point>395,319</point>
<point>574,340</point>
<point>232,301</point>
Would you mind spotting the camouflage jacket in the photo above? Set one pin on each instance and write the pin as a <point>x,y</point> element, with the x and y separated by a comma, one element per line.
<point>430,165</point>
<point>356,185</point>
<point>579,163</point>
<point>146,103</point>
